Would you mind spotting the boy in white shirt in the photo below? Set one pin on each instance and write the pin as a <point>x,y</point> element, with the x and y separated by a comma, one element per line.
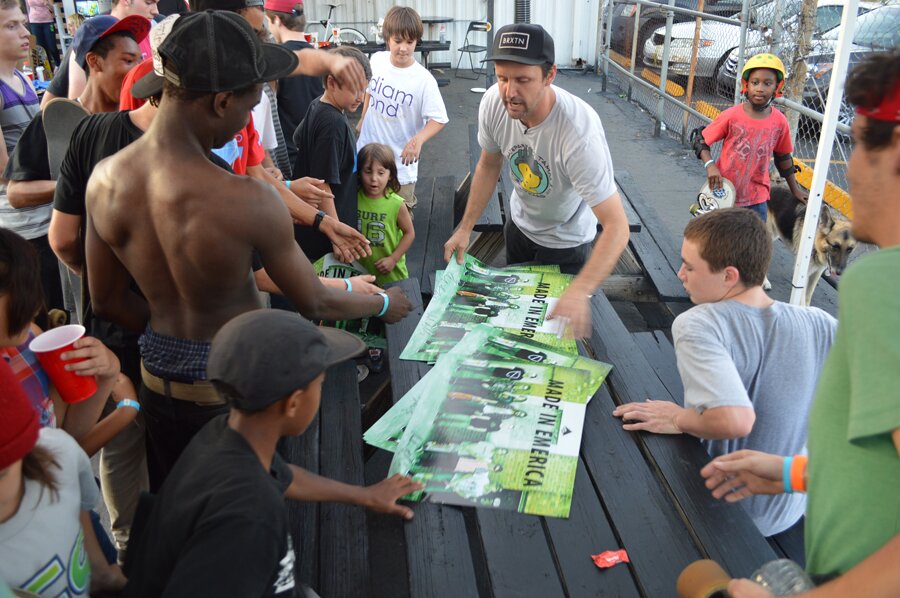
<point>403,107</point>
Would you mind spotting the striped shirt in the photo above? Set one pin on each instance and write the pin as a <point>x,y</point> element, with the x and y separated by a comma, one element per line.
<point>33,379</point>
<point>18,111</point>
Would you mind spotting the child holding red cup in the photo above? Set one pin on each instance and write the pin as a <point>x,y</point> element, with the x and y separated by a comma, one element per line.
<point>21,299</point>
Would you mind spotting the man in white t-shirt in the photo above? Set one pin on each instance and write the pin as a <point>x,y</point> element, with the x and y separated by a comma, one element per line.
<point>554,146</point>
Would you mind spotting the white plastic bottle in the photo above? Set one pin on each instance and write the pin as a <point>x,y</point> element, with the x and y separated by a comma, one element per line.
<point>783,577</point>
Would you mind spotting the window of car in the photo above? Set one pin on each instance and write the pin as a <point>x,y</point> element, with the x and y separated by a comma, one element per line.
<point>879,28</point>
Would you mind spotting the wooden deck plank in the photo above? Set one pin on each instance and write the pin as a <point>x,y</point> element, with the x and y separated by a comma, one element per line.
<point>303,517</point>
<point>491,219</point>
<point>724,531</point>
<point>519,559</point>
<point>343,540</point>
<point>644,211</point>
<point>646,520</point>
<point>440,228</point>
<point>661,355</point>
<point>587,531</point>
<point>421,221</point>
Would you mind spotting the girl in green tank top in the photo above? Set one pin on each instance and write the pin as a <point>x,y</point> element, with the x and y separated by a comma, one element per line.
<point>382,216</point>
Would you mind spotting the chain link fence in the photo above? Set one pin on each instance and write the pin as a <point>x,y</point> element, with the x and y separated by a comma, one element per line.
<point>681,59</point>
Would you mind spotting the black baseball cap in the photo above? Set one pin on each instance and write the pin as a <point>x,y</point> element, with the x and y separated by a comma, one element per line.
<point>216,51</point>
<point>96,28</point>
<point>232,5</point>
<point>267,354</point>
<point>523,43</point>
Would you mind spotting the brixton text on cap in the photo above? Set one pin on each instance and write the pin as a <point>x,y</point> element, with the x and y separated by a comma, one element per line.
<point>523,43</point>
<point>96,28</point>
<point>218,51</point>
<point>267,354</point>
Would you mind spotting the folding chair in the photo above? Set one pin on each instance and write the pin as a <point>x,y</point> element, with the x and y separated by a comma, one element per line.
<point>470,49</point>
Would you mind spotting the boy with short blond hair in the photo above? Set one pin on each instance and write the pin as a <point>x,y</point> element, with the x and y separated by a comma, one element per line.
<point>749,364</point>
<point>403,107</point>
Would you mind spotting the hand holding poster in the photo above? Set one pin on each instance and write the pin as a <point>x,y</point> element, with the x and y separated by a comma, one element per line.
<point>516,300</point>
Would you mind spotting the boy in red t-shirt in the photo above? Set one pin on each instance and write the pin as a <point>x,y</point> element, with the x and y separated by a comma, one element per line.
<point>751,132</point>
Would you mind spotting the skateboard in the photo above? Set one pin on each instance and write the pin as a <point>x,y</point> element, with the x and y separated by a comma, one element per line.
<point>709,199</point>
<point>61,116</point>
<point>703,579</point>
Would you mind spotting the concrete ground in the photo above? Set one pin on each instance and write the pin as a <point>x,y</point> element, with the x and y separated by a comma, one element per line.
<point>666,172</point>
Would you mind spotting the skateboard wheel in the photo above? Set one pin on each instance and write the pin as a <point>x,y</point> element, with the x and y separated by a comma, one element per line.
<point>703,579</point>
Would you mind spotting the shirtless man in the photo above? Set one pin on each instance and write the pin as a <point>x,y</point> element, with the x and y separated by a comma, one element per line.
<point>151,214</point>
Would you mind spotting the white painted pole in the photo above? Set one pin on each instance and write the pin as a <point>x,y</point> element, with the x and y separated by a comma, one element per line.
<point>823,154</point>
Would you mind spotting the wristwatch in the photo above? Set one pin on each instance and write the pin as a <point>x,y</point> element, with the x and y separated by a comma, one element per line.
<point>320,215</point>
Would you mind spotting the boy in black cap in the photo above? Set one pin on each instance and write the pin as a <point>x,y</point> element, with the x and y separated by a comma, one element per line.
<point>561,170</point>
<point>189,252</point>
<point>224,501</point>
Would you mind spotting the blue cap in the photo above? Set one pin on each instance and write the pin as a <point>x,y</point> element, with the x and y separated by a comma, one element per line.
<point>96,28</point>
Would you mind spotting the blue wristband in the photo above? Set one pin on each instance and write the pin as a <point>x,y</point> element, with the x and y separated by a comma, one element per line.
<point>786,475</point>
<point>287,183</point>
<point>387,302</point>
<point>129,403</point>
<point>349,285</point>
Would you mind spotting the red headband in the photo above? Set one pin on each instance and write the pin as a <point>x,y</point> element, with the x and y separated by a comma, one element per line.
<point>888,110</point>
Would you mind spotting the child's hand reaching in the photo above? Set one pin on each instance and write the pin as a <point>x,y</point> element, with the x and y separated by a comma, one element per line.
<point>386,265</point>
<point>410,153</point>
<point>714,176</point>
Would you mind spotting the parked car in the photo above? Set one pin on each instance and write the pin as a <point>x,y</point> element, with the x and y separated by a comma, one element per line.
<point>718,39</point>
<point>876,29</point>
<point>651,18</point>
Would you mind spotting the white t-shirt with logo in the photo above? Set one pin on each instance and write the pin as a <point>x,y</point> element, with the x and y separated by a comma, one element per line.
<point>402,101</point>
<point>560,169</point>
<point>42,546</point>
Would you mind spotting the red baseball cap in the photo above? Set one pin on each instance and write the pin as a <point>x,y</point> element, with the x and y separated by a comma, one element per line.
<point>18,419</point>
<point>282,5</point>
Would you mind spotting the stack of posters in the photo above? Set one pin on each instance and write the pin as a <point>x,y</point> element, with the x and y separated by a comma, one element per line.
<point>517,300</point>
<point>496,423</point>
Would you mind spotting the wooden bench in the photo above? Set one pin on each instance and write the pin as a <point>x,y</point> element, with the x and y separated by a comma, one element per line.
<point>332,447</point>
<point>636,491</point>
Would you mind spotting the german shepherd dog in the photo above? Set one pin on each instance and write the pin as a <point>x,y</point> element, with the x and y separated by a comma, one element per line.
<point>833,243</point>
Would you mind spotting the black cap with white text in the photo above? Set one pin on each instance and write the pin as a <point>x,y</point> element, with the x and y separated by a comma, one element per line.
<point>523,43</point>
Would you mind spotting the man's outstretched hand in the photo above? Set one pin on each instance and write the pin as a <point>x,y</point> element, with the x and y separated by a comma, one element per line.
<point>457,243</point>
<point>743,473</point>
<point>399,306</point>
<point>383,496</point>
<point>349,73</point>
<point>347,243</point>
<point>573,313</point>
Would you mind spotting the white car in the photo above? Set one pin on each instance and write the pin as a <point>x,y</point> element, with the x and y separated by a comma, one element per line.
<point>718,39</point>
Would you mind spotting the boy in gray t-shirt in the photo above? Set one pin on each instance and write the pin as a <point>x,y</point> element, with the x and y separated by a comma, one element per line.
<point>749,364</point>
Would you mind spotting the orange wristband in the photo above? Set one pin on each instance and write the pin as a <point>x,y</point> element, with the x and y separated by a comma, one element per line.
<point>798,473</point>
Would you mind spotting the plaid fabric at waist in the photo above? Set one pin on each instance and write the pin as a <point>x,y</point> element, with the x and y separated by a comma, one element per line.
<point>173,358</point>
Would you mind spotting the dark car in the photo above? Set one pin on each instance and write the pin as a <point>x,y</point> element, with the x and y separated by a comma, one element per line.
<point>876,29</point>
<point>653,18</point>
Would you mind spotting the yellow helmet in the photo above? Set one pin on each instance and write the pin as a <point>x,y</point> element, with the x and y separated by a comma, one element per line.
<point>764,61</point>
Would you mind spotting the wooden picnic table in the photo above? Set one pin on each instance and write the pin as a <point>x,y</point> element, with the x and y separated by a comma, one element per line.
<point>634,491</point>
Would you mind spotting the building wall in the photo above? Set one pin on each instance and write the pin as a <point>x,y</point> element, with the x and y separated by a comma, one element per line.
<point>572,23</point>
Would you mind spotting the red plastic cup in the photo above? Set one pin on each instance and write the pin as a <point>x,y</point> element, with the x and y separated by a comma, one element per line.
<point>48,347</point>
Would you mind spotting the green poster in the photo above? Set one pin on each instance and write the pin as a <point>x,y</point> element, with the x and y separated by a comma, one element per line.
<point>370,330</point>
<point>499,434</point>
<point>516,300</point>
<point>486,344</point>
